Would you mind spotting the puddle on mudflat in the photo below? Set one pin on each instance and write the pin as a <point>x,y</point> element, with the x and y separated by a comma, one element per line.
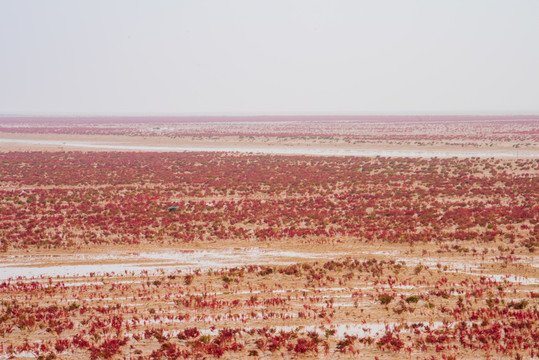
<point>30,266</point>
<point>279,150</point>
<point>341,330</point>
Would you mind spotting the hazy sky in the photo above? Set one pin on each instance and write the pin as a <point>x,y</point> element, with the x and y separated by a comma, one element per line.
<point>269,57</point>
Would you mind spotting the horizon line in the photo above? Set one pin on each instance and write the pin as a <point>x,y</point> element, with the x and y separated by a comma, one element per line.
<point>263,115</point>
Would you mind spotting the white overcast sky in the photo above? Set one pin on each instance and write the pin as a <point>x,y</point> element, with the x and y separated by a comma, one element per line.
<point>269,57</point>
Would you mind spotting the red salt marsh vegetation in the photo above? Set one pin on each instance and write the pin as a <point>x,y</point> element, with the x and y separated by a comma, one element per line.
<point>66,200</point>
<point>416,258</point>
<point>344,308</point>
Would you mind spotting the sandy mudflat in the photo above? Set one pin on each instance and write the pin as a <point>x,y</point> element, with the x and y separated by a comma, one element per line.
<point>263,145</point>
